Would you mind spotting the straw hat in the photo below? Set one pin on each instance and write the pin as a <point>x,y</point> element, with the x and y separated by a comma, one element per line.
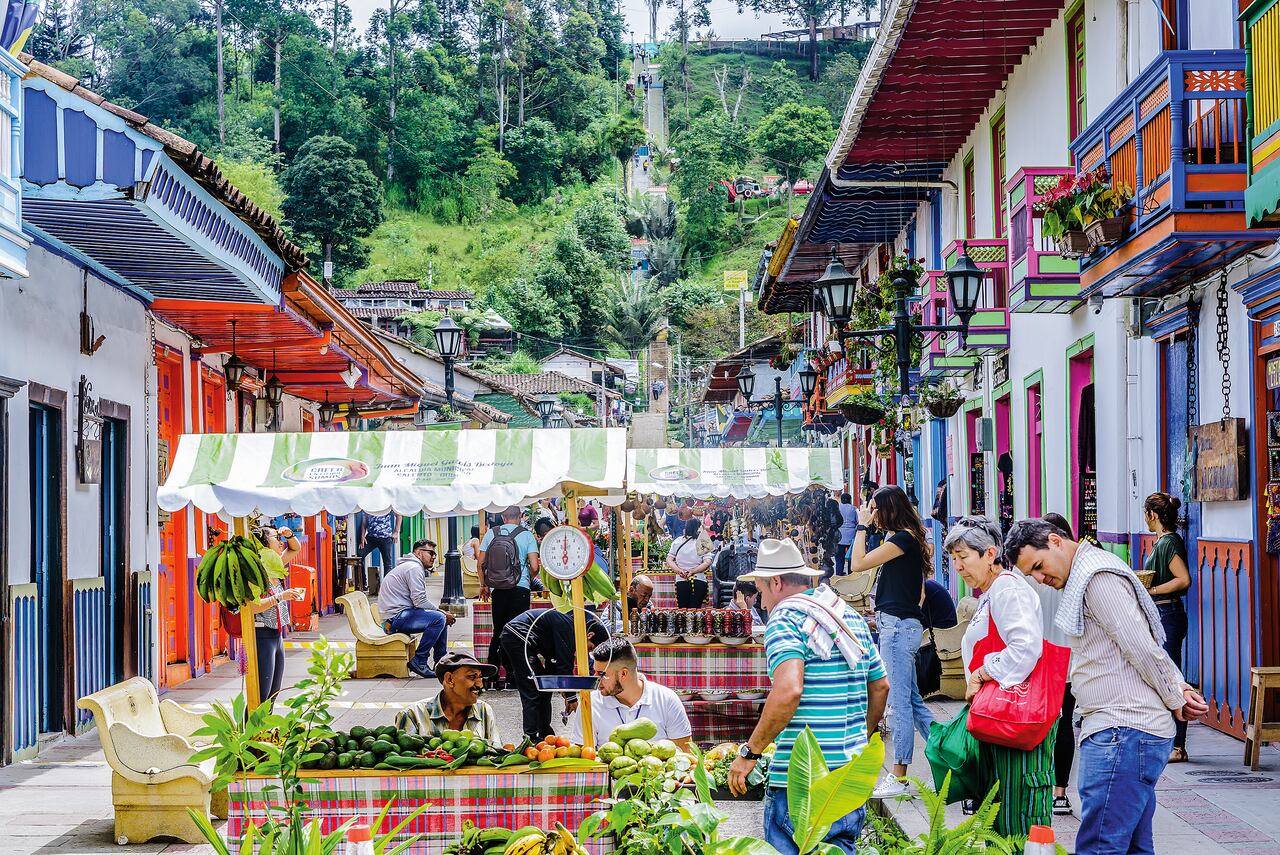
<point>778,558</point>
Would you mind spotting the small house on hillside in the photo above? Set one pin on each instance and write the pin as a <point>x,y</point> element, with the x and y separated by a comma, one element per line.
<point>601,371</point>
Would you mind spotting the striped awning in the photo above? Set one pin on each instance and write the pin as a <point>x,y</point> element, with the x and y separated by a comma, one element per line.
<point>442,472</point>
<point>705,473</point>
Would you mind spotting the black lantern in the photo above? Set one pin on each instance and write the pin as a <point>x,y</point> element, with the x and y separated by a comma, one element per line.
<point>274,391</point>
<point>234,367</point>
<point>746,381</point>
<point>834,290</point>
<point>448,338</point>
<point>808,381</point>
<point>546,404</point>
<point>328,411</point>
<point>964,281</point>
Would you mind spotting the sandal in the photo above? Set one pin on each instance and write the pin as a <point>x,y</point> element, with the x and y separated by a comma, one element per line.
<point>1178,755</point>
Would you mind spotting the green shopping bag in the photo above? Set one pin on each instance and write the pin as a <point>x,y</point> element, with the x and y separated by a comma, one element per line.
<point>951,748</point>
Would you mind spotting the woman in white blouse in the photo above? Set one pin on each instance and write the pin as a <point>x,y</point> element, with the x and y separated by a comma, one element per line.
<point>1010,607</point>
<point>689,562</point>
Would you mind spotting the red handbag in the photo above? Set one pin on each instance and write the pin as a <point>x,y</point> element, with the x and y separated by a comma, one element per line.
<point>1020,717</point>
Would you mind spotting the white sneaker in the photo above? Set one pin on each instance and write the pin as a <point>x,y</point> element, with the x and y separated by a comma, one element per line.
<point>890,787</point>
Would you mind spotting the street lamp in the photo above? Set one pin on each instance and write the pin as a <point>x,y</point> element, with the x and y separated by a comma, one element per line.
<point>234,367</point>
<point>449,344</point>
<point>328,411</point>
<point>808,381</point>
<point>546,404</point>
<point>746,381</point>
<point>964,282</point>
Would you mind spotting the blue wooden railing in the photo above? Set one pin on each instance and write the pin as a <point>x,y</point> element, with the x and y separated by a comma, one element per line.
<point>26,681</point>
<point>89,629</point>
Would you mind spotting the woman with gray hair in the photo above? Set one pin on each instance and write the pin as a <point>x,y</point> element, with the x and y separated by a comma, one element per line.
<point>1003,644</point>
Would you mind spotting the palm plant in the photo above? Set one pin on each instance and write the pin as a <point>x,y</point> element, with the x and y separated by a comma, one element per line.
<point>664,259</point>
<point>631,315</point>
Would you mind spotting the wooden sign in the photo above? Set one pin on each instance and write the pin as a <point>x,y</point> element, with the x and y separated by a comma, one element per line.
<point>1222,464</point>
<point>1273,373</point>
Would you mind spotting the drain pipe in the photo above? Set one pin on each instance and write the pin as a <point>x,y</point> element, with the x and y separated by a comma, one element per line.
<point>850,183</point>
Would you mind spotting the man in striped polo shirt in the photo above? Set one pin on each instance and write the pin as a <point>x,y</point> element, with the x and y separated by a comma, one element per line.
<point>831,680</point>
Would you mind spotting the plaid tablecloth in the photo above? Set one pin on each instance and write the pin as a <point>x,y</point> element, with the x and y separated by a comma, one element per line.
<point>664,589</point>
<point>488,799</point>
<point>705,667</point>
<point>714,722</point>
<point>482,626</point>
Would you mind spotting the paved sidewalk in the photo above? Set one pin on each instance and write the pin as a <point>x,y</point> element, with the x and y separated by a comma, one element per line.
<point>1212,804</point>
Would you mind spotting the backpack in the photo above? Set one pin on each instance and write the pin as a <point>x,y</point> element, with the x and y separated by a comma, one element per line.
<point>502,566</point>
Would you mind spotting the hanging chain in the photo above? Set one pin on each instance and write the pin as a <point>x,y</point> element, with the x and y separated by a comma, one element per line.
<point>1224,348</point>
<point>1193,371</point>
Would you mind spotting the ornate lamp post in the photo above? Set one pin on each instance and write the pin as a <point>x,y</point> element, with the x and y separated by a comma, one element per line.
<point>546,406</point>
<point>449,344</point>
<point>808,381</point>
<point>835,289</point>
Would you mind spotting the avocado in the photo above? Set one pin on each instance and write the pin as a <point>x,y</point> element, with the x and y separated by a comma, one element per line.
<point>345,759</point>
<point>382,746</point>
<point>358,732</point>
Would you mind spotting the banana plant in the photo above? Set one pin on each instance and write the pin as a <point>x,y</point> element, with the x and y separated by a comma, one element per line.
<point>818,797</point>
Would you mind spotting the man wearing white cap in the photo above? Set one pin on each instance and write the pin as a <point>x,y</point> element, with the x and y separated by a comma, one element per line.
<point>826,674</point>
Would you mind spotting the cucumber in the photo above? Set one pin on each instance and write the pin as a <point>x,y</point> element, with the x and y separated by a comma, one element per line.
<point>386,767</point>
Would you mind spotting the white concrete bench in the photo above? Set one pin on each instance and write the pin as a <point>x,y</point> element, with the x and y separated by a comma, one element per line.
<point>378,653</point>
<point>148,744</point>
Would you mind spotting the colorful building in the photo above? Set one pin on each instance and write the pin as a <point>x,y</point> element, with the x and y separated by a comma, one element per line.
<point>1079,376</point>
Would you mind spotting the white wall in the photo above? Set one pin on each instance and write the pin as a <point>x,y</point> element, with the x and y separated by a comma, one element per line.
<point>40,342</point>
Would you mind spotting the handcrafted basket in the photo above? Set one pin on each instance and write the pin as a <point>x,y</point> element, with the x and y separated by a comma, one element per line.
<point>862,414</point>
<point>1074,244</point>
<point>944,408</point>
<point>1105,232</point>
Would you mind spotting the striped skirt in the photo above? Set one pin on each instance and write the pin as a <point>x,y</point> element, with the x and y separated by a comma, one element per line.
<point>1026,784</point>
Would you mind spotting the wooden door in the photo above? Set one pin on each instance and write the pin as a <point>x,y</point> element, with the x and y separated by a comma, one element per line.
<point>46,473</point>
<point>114,534</point>
<point>1174,384</point>
<point>212,637</point>
<point>174,592</point>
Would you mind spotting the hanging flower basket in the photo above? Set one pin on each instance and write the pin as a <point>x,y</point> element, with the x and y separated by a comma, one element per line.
<point>945,408</point>
<point>862,414</point>
<point>1074,244</point>
<point>1105,232</point>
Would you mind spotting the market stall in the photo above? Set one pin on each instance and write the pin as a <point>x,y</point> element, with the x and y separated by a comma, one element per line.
<point>720,674</point>
<point>441,472</point>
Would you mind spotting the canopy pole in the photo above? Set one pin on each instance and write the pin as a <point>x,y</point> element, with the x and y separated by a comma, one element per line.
<point>580,635</point>
<point>247,636</point>
<point>622,534</point>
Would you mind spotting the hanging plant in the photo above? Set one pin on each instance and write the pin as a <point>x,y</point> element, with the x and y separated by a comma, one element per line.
<point>942,399</point>
<point>864,408</point>
<point>1085,211</point>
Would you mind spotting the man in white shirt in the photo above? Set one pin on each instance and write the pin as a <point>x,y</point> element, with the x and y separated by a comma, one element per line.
<point>626,695</point>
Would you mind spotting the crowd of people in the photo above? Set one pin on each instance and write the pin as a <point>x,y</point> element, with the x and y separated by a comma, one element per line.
<point>837,670</point>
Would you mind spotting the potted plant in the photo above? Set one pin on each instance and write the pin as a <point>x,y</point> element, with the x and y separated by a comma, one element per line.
<point>864,408</point>
<point>1061,220</point>
<point>1102,203</point>
<point>943,400</point>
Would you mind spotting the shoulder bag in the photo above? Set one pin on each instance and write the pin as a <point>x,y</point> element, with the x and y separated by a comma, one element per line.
<point>1022,716</point>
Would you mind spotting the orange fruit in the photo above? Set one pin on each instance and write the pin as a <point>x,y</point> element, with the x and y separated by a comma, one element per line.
<point>531,753</point>
<point>510,746</point>
<point>562,751</point>
<point>588,753</point>
<point>542,746</point>
<point>546,754</point>
<point>575,750</point>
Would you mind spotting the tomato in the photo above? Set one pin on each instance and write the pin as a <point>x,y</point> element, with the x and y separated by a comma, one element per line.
<point>588,753</point>
<point>531,753</point>
<point>575,750</point>
<point>510,746</point>
<point>546,754</point>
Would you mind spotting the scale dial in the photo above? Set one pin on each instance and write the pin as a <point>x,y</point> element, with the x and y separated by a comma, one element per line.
<point>566,551</point>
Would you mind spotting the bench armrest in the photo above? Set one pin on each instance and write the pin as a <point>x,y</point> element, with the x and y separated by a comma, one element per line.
<point>181,721</point>
<point>154,759</point>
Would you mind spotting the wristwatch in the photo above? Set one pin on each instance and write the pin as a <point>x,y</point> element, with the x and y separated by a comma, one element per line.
<point>745,752</point>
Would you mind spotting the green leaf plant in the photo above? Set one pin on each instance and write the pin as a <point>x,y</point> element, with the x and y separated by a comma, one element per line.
<point>274,742</point>
<point>818,798</point>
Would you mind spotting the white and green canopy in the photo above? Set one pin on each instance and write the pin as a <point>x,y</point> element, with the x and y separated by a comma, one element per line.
<point>442,472</point>
<point>704,473</point>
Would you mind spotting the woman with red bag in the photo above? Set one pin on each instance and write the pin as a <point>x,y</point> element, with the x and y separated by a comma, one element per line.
<point>1003,644</point>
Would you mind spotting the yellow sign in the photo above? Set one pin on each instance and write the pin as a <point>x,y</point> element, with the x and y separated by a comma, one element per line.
<point>735,280</point>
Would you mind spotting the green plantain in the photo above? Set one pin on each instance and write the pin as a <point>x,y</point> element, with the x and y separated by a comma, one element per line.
<point>238,592</point>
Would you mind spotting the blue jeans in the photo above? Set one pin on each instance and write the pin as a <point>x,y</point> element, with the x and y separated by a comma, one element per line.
<point>778,828</point>
<point>1173,617</point>
<point>434,635</point>
<point>1119,768</point>
<point>899,641</point>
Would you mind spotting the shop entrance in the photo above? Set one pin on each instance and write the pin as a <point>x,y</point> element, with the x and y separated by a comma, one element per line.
<point>1177,419</point>
<point>115,532</point>
<point>173,591</point>
<point>45,459</point>
<point>1084,446</point>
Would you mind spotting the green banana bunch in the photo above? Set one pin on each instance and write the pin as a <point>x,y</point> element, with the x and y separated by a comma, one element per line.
<point>232,573</point>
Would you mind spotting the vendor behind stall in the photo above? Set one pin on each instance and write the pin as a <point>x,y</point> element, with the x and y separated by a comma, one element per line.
<point>626,695</point>
<point>540,642</point>
<point>458,705</point>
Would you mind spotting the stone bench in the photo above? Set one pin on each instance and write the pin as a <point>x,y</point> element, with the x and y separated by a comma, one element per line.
<point>378,653</point>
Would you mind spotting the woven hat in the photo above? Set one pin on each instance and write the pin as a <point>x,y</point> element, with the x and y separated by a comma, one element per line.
<point>778,558</point>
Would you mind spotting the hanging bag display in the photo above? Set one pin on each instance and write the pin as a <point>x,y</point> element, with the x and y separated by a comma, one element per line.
<point>1022,716</point>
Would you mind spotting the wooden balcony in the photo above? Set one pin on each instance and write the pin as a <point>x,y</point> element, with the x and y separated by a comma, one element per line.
<point>846,377</point>
<point>1040,279</point>
<point>935,361</point>
<point>1262,44</point>
<point>989,328</point>
<point>1176,136</point>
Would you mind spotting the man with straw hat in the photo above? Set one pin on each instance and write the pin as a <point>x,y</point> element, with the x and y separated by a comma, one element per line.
<point>826,674</point>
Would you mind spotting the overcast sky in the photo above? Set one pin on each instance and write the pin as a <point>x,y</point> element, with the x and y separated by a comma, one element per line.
<point>725,20</point>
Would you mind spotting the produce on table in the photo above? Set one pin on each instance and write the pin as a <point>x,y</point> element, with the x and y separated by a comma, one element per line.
<point>232,573</point>
<point>629,752</point>
<point>388,748</point>
<point>529,840</point>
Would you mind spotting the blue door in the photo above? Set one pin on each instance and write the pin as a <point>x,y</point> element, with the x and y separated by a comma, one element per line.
<point>46,558</point>
<point>115,573</point>
<point>1177,483</point>
<point>937,476</point>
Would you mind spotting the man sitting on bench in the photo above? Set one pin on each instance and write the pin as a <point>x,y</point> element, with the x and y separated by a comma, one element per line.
<point>406,608</point>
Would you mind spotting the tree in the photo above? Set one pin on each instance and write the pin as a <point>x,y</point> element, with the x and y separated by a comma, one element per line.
<point>779,85</point>
<point>810,14</point>
<point>623,136</point>
<point>332,196</point>
<point>487,175</point>
<point>602,233</point>
<point>681,298</point>
<point>534,151</point>
<point>793,135</point>
<point>632,314</point>
<point>664,261</point>
<point>838,82</point>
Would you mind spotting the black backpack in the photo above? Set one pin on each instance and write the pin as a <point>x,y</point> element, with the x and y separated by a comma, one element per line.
<point>502,567</point>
